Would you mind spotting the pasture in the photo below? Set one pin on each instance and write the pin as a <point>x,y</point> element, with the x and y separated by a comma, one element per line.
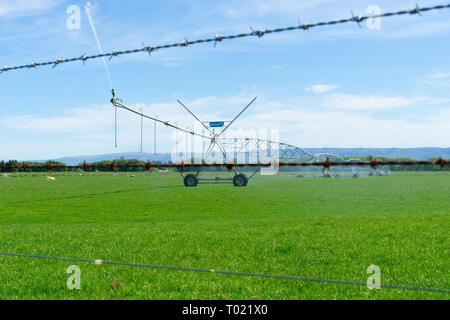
<point>281,225</point>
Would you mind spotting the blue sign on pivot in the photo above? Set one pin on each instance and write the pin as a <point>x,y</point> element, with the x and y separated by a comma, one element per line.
<point>217,124</point>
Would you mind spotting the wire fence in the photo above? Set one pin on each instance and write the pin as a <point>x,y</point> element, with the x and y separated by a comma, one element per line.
<point>149,166</point>
<point>219,38</point>
<point>245,274</point>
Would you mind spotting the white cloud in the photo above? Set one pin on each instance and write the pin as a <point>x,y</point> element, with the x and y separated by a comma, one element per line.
<point>91,130</point>
<point>436,79</point>
<point>9,8</point>
<point>367,103</point>
<point>321,88</point>
<point>74,121</point>
<point>307,128</point>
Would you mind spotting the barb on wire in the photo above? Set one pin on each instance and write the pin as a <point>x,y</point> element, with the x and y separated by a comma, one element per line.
<point>218,39</point>
<point>357,19</point>
<point>99,262</point>
<point>417,10</point>
<point>374,163</point>
<point>113,54</point>
<point>254,33</point>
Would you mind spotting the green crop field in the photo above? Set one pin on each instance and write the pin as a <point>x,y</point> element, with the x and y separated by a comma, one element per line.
<point>280,225</point>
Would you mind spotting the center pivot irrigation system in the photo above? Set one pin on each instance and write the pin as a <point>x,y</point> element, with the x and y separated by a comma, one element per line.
<point>249,146</point>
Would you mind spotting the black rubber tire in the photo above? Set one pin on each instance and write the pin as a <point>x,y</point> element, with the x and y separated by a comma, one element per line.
<point>240,180</point>
<point>191,180</point>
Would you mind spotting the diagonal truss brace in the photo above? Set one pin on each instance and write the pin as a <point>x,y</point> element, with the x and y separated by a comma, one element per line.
<point>214,138</point>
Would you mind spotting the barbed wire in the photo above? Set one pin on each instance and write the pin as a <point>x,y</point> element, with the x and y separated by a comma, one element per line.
<point>246,274</point>
<point>149,166</point>
<point>220,38</point>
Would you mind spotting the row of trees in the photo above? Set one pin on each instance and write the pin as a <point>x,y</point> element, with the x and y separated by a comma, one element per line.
<point>11,166</point>
<point>123,162</point>
<point>416,167</point>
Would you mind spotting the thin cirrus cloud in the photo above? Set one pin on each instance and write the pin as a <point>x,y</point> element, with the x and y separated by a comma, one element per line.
<point>321,88</point>
<point>13,8</point>
<point>440,75</point>
<point>367,103</point>
<point>245,8</point>
<point>436,79</point>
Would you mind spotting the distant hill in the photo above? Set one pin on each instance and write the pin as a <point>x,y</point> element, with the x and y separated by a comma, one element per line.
<point>413,153</point>
<point>74,160</point>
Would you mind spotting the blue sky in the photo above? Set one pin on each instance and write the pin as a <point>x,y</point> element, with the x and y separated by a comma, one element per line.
<point>338,86</point>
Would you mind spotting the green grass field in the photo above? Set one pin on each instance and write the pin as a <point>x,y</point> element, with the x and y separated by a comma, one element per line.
<point>321,228</point>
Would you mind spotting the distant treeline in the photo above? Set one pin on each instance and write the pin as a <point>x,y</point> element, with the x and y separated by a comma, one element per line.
<point>123,162</point>
<point>418,167</point>
<point>14,163</point>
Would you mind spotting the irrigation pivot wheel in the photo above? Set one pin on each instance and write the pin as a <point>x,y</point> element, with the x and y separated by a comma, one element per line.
<point>191,180</point>
<point>240,180</point>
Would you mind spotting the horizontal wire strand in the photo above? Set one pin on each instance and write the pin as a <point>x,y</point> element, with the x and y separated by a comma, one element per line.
<point>218,38</point>
<point>259,275</point>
